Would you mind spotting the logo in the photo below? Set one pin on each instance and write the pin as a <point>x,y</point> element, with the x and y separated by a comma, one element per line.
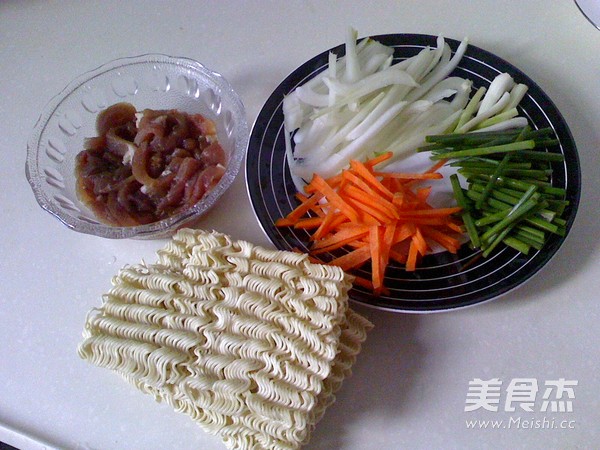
<point>519,396</point>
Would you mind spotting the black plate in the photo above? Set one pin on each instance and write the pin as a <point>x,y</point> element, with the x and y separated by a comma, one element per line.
<point>443,281</point>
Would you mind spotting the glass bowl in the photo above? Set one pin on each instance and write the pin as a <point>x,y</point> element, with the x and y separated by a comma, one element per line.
<point>152,81</point>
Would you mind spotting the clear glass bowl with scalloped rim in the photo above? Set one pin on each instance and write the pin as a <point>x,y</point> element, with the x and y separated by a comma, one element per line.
<point>152,81</point>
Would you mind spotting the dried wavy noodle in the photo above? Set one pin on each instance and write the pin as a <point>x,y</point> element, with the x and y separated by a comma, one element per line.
<point>251,343</point>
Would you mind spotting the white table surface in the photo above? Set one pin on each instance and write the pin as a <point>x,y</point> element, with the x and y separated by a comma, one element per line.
<point>411,380</point>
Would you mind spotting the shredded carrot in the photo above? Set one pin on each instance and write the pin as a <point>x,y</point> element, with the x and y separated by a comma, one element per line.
<point>409,176</point>
<point>377,217</point>
<point>313,205</point>
<point>342,237</point>
<point>398,256</point>
<point>378,159</point>
<point>388,242</point>
<point>455,226</point>
<point>333,197</point>
<point>367,175</point>
<point>423,194</point>
<point>330,222</point>
<point>377,267</point>
<point>404,231</point>
<point>411,258</point>
<point>368,284</point>
<point>353,259</point>
<point>370,209</point>
<point>419,241</point>
<point>437,166</point>
<point>381,204</point>
<point>358,182</point>
<point>450,243</point>
<point>308,223</point>
<point>437,212</point>
<point>306,204</point>
<point>284,222</point>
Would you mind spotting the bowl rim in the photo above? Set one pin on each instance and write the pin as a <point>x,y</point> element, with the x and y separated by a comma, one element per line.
<point>34,176</point>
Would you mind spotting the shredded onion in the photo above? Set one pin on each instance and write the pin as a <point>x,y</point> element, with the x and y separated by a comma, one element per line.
<point>364,104</point>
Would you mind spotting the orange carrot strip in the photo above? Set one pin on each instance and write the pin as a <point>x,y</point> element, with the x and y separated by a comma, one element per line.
<point>318,210</point>
<point>309,223</point>
<point>411,260</point>
<point>316,207</point>
<point>366,218</point>
<point>332,182</point>
<point>362,170</point>
<point>448,242</point>
<point>398,256</point>
<point>425,220</point>
<point>437,166</point>
<point>377,160</point>
<point>423,194</point>
<point>359,243</point>
<point>359,182</point>
<point>353,259</point>
<point>398,199</point>
<point>306,205</point>
<point>376,202</point>
<point>407,194</point>
<point>419,241</point>
<point>333,197</point>
<point>388,242</point>
<point>363,282</point>
<point>404,231</point>
<point>284,222</point>
<point>368,212</point>
<point>433,212</point>
<point>330,222</point>
<point>396,185</point>
<point>376,266</point>
<point>335,180</point>
<point>378,216</point>
<point>342,237</point>
<point>324,227</point>
<point>410,176</point>
<point>455,226</point>
<point>338,221</point>
<point>301,197</point>
<point>388,184</point>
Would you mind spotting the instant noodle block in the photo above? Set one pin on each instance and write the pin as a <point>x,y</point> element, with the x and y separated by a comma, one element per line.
<point>251,343</point>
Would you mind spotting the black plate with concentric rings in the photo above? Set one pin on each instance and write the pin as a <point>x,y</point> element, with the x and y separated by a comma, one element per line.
<point>443,281</point>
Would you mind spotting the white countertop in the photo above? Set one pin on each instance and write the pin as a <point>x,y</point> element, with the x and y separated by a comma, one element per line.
<point>411,380</point>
